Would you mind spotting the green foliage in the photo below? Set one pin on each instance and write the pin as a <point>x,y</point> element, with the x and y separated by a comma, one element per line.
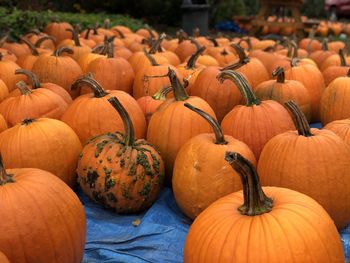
<point>18,21</point>
<point>224,10</point>
<point>314,8</point>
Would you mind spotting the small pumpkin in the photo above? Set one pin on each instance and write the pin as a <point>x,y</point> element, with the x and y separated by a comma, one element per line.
<point>58,30</point>
<point>333,72</point>
<point>7,73</point>
<point>120,172</point>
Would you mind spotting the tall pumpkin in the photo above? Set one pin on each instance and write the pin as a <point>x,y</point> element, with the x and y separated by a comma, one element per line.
<point>262,224</point>
<point>33,234</point>
<point>311,161</point>
<point>173,124</point>
<point>201,175</point>
<point>256,122</point>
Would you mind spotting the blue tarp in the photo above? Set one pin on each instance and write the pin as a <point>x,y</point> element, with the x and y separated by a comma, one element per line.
<point>159,237</point>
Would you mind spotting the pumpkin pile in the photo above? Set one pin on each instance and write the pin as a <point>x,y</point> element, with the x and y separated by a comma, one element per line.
<point>122,114</point>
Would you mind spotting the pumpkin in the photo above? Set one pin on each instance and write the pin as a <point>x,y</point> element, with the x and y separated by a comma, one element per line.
<point>262,224</point>
<point>85,60</point>
<point>58,30</point>
<point>335,100</point>
<point>333,72</point>
<point>311,161</point>
<point>44,143</point>
<point>267,117</point>
<point>201,175</point>
<point>18,49</point>
<point>319,56</point>
<point>3,258</point>
<point>157,51</point>
<point>7,73</point>
<point>61,70</point>
<point>4,92</point>
<point>310,43</point>
<point>3,124</point>
<point>172,124</point>
<point>33,234</point>
<point>140,61</point>
<point>26,61</point>
<point>185,48</point>
<point>35,84</point>
<point>147,32</point>
<point>85,39</point>
<point>334,60</point>
<point>282,90</point>
<point>78,49</point>
<point>340,128</point>
<point>43,42</point>
<point>32,104</point>
<point>120,172</point>
<point>90,114</point>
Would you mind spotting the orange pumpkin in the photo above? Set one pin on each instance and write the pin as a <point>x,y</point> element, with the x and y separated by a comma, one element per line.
<point>3,258</point>
<point>3,124</point>
<point>262,224</point>
<point>319,56</point>
<point>200,166</point>
<point>7,73</point>
<point>340,128</point>
<point>4,92</point>
<point>334,60</point>
<point>78,49</point>
<point>46,42</point>
<point>58,30</point>
<point>333,72</point>
<point>311,161</point>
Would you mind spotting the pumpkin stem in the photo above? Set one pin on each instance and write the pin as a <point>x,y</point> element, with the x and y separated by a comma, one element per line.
<point>248,41</point>
<point>255,200</point>
<point>294,62</point>
<point>107,23</point>
<point>156,45</point>
<point>75,37</point>
<point>325,44</point>
<point>149,29</point>
<point>150,58</point>
<point>191,63</point>
<point>279,72</point>
<point>213,40</point>
<point>162,93</point>
<point>110,49</point>
<point>31,76</point>
<point>99,49</point>
<point>181,35</point>
<point>121,34</point>
<point>196,32</point>
<point>99,92</point>
<point>243,58</point>
<point>31,46</point>
<point>129,134</point>
<point>60,50</point>
<point>42,39</point>
<point>34,31</point>
<point>242,84</point>
<point>24,89</point>
<point>180,93</point>
<point>4,177</point>
<point>88,30</point>
<point>311,38</point>
<point>299,119</point>
<point>342,58</point>
<point>195,42</point>
<point>219,136</point>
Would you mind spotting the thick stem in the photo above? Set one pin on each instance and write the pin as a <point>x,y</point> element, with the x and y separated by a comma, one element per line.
<point>31,46</point>
<point>99,49</point>
<point>107,23</point>
<point>60,50</point>
<point>242,85</point>
<point>75,37</point>
<point>255,200</point>
<point>243,58</point>
<point>219,136</point>
<point>150,58</point>
<point>121,34</point>
<point>342,58</point>
<point>24,89</point>
<point>156,45</point>
<point>279,72</point>
<point>31,76</point>
<point>195,42</point>
<point>193,59</point>
<point>5,178</point>
<point>88,30</point>
<point>299,119</point>
<point>325,44</point>
<point>213,40</point>
<point>99,92</point>
<point>181,35</point>
<point>162,93</point>
<point>180,93</point>
<point>129,134</point>
<point>110,49</point>
<point>42,39</point>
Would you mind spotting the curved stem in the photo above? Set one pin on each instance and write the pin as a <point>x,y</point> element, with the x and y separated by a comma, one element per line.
<point>156,45</point>
<point>88,30</point>
<point>325,44</point>
<point>30,45</point>
<point>31,76</point>
<point>129,134</point>
<point>213,40</point>
<point>279,72</point>
<point>24,89</point>
<point>75,37</point>
<point>243,58</point>
<point>255,200</point>
<point>181,35</point>
<point>162,93</point>
<point>342,58</point>
<point>149,29</point>
<point>180,93</point>
<point>242,85</point>
<point>99,49</point>
<point>195,42</point>
<point>99,92</point>
<point>193,59</point>
<point>219,136</point>
<point>150,58</point>
<point>299,119</point>
<point>121,34</point>
<point>248,41</point>
<point>42,39</point>
<point>60,50</point>
<point>4,177</point>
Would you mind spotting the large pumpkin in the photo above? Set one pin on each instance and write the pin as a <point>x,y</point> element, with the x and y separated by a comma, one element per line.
<point>268,224</point>
<point>120,172</point>
<point>311,161</point>
<point>256,122</point>
<point>44,143</point>
<point>45,221</point>
<point>201,175</point>
<point>173,124</point>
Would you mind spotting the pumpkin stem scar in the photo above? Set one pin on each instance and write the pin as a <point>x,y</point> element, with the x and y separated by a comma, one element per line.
<point>192,61</point>
<point>299,119</point>
<point>255,200</point>
<point>4,177</point>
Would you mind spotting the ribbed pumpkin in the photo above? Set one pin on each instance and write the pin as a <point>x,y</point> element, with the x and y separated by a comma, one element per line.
<point>282,90</point>
<point>58,30</point>
<point>46,42</point>
<point>335,101</point>
<point>173,124</point>
<point>45,221</point>
<point>333,72</point>
<point>157,51</point>
<point>7,73</point>
<point>185,49</point>
<point>262,224</point>
<point>313,81</point>
<point>256,122</point>
<point>314,162</point>
<point>334,60</point>
<point>340,128</point>
<point>27,61</point>
<point>61,70</point>
<point>35,103</point>
<point>120,172</point>
<point>91,114</point>
<point>201,175</point>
